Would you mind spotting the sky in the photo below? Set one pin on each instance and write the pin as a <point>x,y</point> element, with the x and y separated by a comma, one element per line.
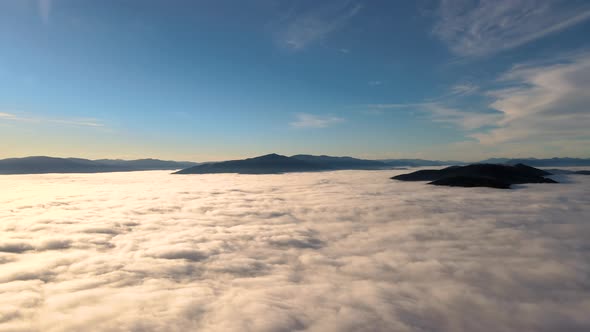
<point>212,80</point>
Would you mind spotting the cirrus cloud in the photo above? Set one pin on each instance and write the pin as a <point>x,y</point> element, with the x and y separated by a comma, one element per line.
<point>305,120</point>
<point>300,29</point>
<point>549,102</point>
<point>477,28</point>
<point>78,122</point>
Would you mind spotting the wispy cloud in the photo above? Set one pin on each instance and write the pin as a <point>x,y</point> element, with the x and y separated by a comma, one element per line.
<point>45,7</point>
<point>399,105</point>
<point>464,89</point>
<point>544,102</point>
<point>35,119</point>
<point>467,120</point>
<point>476,28</point>
<point>7,116</point>
<point>305,120</point>
<point>303,29</point>
<point>439,111</point>
<point>537,103</point>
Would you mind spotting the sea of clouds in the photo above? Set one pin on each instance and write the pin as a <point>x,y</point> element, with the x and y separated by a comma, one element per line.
<point>331,251</point>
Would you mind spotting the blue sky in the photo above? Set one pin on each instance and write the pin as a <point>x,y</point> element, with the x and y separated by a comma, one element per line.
<point>209,80</point>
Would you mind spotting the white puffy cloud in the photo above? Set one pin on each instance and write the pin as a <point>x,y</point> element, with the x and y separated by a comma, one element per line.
<point>330,251</point>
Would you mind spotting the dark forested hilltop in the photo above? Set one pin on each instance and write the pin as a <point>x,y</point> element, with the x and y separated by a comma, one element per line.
<point>480,175</point>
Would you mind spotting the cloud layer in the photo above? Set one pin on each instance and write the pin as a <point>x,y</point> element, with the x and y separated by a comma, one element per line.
<point>334,251</point>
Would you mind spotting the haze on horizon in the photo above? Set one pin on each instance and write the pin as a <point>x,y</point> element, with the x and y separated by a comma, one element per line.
<point>215,80</point>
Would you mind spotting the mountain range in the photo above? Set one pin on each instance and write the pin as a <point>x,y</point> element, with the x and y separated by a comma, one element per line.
<point>267,164</point>
<point>39,165</point>
<point>547,162</point>
<point>272,163</point>
<point>420,162</point>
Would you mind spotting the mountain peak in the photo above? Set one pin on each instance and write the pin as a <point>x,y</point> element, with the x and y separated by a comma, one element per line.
<point>271,156</point>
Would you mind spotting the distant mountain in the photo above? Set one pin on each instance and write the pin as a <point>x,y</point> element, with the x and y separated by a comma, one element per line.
<point>342,162</point>
<point>34,165</point>
<point>147,164</point>
<point>480,175</point>
<point>495,161</point>
<point>40,165</point>
<point>567,171</point>
<point>549,162</point>
<point>420,162</point>
<point>267,164</point>
<point>272,163</point>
